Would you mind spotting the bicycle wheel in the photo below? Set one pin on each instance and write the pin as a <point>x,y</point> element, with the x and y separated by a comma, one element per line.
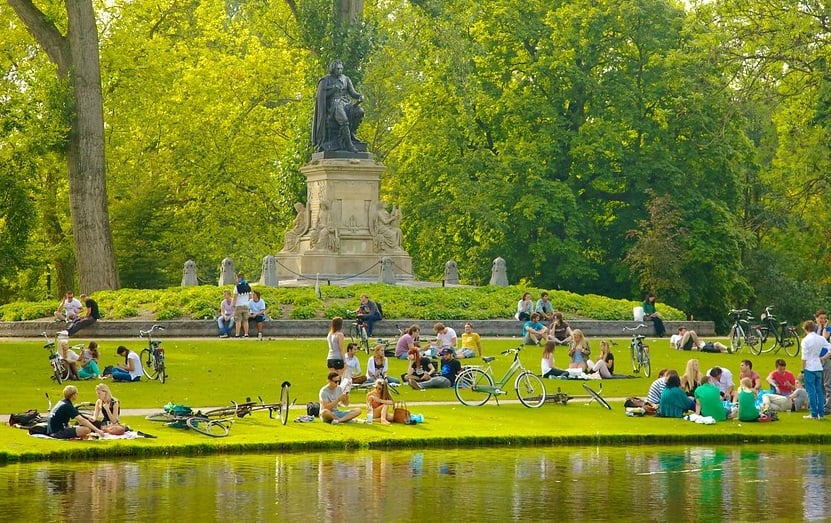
<point>753,339</point>
<point>767,341</point>
<point>597,397</point>
<point>530,390</point>
<point>148,365</point>
<point>736,334</point>
<point>58,371</point>
<point>284,402</point>
<point>215,428</point>
<point>160,416</point>
<point>791,342</point>
<point>162,375</point>
<point>633,352</point>
<point>646,364</point>
<point>467,387</point>
<point>225,412</point>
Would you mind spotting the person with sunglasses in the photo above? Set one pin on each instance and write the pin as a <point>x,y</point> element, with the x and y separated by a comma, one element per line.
<point>331,397</point>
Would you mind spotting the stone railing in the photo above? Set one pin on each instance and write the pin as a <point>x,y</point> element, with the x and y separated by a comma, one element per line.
<point>318,328</point>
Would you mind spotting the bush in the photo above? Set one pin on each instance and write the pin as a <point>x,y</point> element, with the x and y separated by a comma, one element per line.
<point>303,312</point>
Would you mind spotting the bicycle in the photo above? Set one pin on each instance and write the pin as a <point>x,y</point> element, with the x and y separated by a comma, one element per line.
<point>639,352</point>
<point>60,369</point>
<point>358,334</point>
<point>248,407</point>
<point>182,416</point>
<point>738,334</point>
<point>783,337</point>
<point>474,386</point>
<point>152,358</point>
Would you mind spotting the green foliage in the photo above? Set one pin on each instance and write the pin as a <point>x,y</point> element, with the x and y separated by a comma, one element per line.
<point>303,312</point>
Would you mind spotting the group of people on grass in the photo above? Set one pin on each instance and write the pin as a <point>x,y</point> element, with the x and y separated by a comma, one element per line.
<point>104,419</point>
<point>69,311</point>
<point>714,393</point>
<point>86,365</point>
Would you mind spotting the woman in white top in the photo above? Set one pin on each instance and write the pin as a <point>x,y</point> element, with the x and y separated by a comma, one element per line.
<point>547,362</point>
<point>131,370</point>
<point>524,307</point>
<point>334,340</point>
<point>377,366</point>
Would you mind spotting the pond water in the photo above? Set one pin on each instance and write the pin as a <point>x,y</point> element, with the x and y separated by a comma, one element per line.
<point>742,483</point>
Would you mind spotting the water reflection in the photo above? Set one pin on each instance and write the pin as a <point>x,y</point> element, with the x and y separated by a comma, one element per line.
<point>530,484</point>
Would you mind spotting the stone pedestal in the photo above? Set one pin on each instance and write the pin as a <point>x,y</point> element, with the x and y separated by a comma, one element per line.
<point>344,229</point>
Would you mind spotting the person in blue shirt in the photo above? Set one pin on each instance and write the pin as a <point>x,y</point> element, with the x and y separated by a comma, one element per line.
<point>544,308</point>
<point>533,331</point>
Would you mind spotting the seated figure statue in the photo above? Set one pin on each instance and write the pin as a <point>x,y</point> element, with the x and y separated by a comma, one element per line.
<point>385,228</point>
<point>336,117</point>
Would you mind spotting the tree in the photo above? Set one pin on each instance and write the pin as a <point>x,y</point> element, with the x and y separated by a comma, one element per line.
<point>76,56</point>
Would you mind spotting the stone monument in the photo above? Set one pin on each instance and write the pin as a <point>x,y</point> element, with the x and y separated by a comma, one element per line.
<point>189,278</point>
<point>268,276</point>
<point>499,273</point>
<point>451,273</point>
<point>227,274</point>
<point>344,225</point>
<point>387,274</point>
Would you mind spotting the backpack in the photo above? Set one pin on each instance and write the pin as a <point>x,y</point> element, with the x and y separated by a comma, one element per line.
<point>313,408</point>
<point>26,419</point>
<point>243,287</point>
<point>380,310</point>
<point>40,429</point>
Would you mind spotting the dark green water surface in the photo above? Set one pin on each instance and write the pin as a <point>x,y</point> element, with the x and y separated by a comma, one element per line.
<point>741,483</point>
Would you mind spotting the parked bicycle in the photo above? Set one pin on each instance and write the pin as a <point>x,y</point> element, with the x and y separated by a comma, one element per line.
<point>475,385</point>
<point>60,369</point>
<point>152,358</point>
<point>639,352</point>
<point>743,332</point>
<point>358,333</point>
<point>776,334</point>
<point>183,417</point>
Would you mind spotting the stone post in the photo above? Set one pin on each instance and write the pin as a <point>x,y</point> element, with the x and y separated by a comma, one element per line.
<point>387,275</point>
<point>499,273</point>
<point>451,273</point>
<point>189,278</point>
<point>269,275</point>
<point>227,275</point>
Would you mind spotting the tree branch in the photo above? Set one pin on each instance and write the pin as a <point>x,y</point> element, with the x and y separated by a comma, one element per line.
<point>45,32</point>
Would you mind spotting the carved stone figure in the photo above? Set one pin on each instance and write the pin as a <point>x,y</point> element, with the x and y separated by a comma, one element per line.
<point>387,275</point>
<point>291,242</point>
<point>336,117</point>
<point>269,275</point>
<point>227,274</point>
<point>385,227</point>
<point>451,272</point>
<point>499,273</point>
<point>324,237</point>
<point>189,278</point>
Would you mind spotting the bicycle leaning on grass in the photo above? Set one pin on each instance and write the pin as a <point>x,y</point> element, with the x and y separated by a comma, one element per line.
<point>743,332</point>
<point>475,385</point>
<point>639,352</point>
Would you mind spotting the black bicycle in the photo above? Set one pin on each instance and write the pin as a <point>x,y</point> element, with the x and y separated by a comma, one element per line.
<point>152,358</point>
<point>358,333</point>
<point>776,334</point>
<point>743,332</point>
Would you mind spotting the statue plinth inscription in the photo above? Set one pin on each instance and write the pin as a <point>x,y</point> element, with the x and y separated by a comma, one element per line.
<point>344,228</point>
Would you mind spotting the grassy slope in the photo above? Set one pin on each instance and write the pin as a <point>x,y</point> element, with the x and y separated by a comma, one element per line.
<point>213,372</point>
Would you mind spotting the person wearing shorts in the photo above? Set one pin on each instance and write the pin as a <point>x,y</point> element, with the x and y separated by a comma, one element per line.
<point>242,295</point>
<point>334,340</point>
<point>64,412</point>
<point>331,397</point>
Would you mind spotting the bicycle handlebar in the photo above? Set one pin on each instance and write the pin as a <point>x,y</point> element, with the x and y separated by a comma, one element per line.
<point>150,330</point>
<point>633,329</point>
<point>512,351</point>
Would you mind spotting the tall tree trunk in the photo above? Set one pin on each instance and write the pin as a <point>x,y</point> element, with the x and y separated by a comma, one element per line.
<point>76,56</point>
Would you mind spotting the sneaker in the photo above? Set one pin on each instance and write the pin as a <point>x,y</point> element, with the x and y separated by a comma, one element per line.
<point>808,417</point>
<point>63,333</point>
<point>245,335</point>
<point>223,335</point>
<point>414,384</point>
<point>335,422</point>
<point>260,336</point>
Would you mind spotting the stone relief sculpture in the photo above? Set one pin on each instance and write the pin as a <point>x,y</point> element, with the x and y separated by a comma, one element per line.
<point>387,275</point>
<point>291,242</point>
<point>324,237</point>
<point>499,273</point>
<point>451,272</point>
<point>385,227</point>
<point>189,278</point>
<point>336,117</point>
<point>227,274</point>
<point>269,275</point>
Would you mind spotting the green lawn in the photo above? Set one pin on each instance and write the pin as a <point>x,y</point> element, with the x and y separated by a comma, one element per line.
<point>214,372</point>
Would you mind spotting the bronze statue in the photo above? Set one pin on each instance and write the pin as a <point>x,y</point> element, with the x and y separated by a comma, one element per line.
<point>336,117</point>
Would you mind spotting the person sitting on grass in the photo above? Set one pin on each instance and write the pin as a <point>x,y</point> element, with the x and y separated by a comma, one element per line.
<point>747,401</point>
<point>547,362</point>
<point>795,401</point>
<point>657,387</point>
<point>708,399</point>
<point>692,377</point>
<point>379,401</point>
<point>559,331</point>
<point>64,412</point>
<point>131,370</point>
<point>106,406</point>
<point>471,344</point>
<point>377,366</point>
<point>352,366</point>
<point>579,350</point>
<point>605,364</point>
<point>331,397</point>
<point>450,367</point>
<point>407,342</point>
<point>746,371</point>
<point>674,402</point>
<point>533,331</point>
<point>421,369</point>
<point>69,357</point>
<point>89,368</point>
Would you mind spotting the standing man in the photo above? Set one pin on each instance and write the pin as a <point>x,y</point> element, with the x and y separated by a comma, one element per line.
<point>812,345</point>
<point>544,308</point>
<point>226,315</point>
<point>242,294</point>
<point>69,309</point>
<point>368,312</point>
<point>824,330</point>
<point>90,316</point>
<point>331,396</point>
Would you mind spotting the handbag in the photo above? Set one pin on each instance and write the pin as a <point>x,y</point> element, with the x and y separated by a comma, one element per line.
<point>400,414</point>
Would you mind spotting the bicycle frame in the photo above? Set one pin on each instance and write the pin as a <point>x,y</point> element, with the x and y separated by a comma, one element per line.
<point>639,352</point>
<point>496,389</point>
<point>154,358</point>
